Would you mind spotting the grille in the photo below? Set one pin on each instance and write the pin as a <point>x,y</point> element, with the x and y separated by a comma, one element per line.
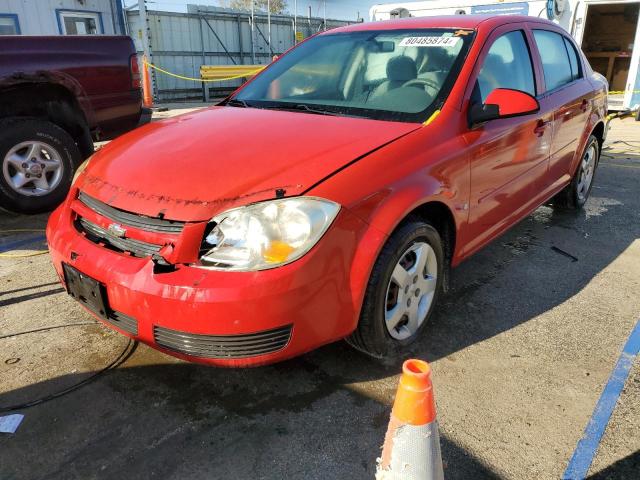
<point>123,322</point>
<point>223,346</point>
<point>131,219</point>
<point>98,234</point>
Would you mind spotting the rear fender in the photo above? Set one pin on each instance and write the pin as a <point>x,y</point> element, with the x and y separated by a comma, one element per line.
<point>594,121</point>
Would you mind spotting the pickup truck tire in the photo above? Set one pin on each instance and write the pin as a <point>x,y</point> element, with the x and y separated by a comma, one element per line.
<point>37,161</point>
<point>403,289</point>
<point>575,195</point>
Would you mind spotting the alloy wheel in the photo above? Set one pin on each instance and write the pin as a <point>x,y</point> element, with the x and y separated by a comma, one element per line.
<point>411,290</point>
<point>587,168</point>
<point>32,168</point>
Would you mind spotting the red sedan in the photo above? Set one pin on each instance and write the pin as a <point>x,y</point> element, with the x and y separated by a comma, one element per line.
<point>329,197</point>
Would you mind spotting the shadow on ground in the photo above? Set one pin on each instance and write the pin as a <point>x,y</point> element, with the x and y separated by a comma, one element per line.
<point>627,468</point>
<point>192,421</point>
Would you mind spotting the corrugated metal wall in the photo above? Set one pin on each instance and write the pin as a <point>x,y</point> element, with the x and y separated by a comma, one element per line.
<point>181,42</point>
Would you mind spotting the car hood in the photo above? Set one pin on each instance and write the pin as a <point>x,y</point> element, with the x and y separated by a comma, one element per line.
<point>196,165</point>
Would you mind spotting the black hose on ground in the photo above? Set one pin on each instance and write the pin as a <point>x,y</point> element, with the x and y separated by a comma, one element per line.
<point>119,360</point>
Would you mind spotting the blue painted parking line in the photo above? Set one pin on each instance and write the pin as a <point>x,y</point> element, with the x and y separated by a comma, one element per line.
<point>588,444</point>
<point>6,247</point>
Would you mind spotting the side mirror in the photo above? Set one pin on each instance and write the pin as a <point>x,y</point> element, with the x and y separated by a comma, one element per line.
<point>503,103</point>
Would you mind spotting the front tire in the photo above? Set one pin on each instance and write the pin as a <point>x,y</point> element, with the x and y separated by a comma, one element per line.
<point>403,289</point>
<point>37,161</point>
<point>575,195</point>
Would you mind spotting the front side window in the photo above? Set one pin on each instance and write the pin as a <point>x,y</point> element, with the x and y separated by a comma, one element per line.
<point>80,23</point>
<point>399,75</point>
<point>555,59</point>
<point>507,65</point>
<point>9,24</point>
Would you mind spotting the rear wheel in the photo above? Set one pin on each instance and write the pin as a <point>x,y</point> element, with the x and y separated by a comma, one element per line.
<point>575,195</point>
<point>38,159</point>
<point>402,291</point>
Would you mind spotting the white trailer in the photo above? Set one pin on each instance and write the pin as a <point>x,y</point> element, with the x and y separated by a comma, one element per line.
<point>607,30</point>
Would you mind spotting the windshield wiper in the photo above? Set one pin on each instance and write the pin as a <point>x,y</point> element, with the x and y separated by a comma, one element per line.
<point>302,107</point>
<point>236,102</point>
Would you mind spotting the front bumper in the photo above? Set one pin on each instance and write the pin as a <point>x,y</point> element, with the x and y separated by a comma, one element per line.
<point>203,315</point>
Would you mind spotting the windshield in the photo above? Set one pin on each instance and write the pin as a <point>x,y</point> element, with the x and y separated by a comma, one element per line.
<point>399,75</point>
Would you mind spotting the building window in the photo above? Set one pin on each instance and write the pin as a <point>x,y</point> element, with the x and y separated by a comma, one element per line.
<point>79,22</point>
<point>9,24</point>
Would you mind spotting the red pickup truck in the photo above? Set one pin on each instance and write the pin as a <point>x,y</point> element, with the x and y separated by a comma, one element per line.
<point>57,96</point>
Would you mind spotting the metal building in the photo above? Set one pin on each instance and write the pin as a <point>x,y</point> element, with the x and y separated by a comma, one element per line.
<point>61,17</point>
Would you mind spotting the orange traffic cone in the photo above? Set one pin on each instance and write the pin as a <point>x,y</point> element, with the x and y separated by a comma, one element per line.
<point>411,448</point>
<point>147,96</point>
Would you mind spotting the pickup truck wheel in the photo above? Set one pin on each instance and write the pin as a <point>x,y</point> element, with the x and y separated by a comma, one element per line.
<point>38,160</point>
<point>403,289</point>
<point>575,195</point>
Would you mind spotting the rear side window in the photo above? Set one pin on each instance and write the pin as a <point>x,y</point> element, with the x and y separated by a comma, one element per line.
<point>576,72</point>
<point>555,59</point>
<point>507,65</point>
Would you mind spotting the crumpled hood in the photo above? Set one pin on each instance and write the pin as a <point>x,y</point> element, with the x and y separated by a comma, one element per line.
<point>193,166</point>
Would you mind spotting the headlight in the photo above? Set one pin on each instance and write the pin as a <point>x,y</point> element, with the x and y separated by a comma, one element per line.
<point>266,235</point>
<point>80,169</point>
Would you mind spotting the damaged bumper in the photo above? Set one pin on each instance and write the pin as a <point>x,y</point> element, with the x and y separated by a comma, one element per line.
<point>214,317</point>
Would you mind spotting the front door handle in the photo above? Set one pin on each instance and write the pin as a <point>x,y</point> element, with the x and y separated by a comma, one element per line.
<point>541,127</point>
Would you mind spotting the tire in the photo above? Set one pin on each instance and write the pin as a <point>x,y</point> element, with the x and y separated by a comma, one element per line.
<point>575,195</point>
<point>30,147</point>
<point>383,294</point>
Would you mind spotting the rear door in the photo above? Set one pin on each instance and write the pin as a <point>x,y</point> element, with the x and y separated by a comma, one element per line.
<point>509,156</point>
<point>569,93</point>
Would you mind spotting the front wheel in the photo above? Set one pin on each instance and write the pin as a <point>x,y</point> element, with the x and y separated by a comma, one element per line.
<point>575,195</point>
<point>37,163</point>
<point>403,289</point>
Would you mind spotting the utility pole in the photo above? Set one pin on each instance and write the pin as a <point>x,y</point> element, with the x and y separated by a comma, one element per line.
<point>295,21</point>
<point>253,35</point>
<point>144,33</point>
<point>269,22</point>
<point>325,14</point>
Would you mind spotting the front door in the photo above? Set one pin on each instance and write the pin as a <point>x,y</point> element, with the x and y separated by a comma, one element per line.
<point>509,156</point>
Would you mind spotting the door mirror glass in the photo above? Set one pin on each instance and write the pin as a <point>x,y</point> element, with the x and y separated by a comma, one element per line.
<point>503,103</point>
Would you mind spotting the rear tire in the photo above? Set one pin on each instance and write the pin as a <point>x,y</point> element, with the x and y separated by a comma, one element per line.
<point>395,312</point>
<point>37,161</point>
<point>575,195</point>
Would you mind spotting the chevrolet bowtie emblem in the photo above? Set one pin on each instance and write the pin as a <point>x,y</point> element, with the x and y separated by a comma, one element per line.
<point>117,230</point>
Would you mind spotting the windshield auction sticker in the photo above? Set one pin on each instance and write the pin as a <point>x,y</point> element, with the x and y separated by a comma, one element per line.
<point>448,42</point>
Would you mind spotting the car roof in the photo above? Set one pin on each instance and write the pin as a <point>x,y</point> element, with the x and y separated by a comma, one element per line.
<point>444,21</point>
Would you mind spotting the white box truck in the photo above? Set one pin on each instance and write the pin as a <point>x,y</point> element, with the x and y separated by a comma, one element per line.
<point>607,30</point>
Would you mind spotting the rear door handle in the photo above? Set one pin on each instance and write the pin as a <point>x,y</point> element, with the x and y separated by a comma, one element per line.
<point>541,127</point>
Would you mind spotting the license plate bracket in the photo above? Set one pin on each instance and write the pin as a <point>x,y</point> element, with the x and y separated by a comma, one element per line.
<point>86,290</point>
